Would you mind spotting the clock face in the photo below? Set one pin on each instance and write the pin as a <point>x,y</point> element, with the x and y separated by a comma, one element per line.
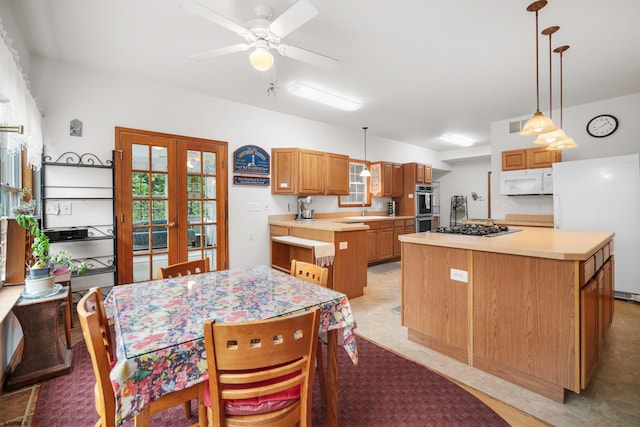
<point>601,126</point>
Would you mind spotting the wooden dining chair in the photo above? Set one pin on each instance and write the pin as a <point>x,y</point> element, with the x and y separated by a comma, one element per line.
<point>261,372</point>
<point>184,268</point>
<point>97,336</point>
<point>318,275</point>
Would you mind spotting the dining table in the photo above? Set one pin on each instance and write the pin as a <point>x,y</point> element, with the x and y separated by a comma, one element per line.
<point>159,328</point>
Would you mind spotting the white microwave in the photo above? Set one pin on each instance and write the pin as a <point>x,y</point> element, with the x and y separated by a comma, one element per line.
<point>526,182</point>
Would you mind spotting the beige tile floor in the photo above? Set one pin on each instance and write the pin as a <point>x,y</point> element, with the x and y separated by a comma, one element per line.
<point>611,399</point>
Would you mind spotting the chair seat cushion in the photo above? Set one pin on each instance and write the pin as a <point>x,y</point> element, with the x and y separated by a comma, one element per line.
<point>257,405</point>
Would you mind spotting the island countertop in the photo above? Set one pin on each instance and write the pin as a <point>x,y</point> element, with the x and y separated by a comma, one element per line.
<point>528,241</point>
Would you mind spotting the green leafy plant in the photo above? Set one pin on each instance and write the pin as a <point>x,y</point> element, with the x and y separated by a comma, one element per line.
<point>41,246</point>
<point>27,202</point>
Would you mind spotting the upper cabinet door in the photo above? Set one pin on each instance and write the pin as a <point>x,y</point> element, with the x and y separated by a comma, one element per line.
<point>284,165</point>
<point>312,174</point>
<point>337,172</point>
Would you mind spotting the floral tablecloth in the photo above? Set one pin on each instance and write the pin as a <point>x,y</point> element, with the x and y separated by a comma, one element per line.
<point>159,325</point>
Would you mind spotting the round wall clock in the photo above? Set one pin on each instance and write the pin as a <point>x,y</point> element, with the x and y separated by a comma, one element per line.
<point>602,125</point>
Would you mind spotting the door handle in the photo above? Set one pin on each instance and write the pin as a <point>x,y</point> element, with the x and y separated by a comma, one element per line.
<point>171,224</point>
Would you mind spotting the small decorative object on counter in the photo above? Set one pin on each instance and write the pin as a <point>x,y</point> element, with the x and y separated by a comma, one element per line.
<point>27,202</point>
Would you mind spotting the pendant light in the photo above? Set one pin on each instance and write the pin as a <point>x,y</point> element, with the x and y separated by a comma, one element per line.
<point>365,172</point>
<point>562,142</point>
<point>549,137</point>
<point>538,123</point>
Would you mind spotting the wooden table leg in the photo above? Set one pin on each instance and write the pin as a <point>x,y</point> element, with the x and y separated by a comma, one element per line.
<point>332,378</point>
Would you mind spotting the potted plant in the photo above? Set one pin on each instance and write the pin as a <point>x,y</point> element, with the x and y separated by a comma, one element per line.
<point>40,273</point>
<point>27,202</point>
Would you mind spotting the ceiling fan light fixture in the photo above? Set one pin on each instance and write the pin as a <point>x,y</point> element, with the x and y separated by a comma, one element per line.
<point>261,59</point>
<point>326,98</point>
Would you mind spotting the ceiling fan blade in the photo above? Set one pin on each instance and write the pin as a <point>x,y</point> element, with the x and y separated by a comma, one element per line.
<point>296,15</point>
<point>202,10</point>
<point>308,56</point>
<point>240,47</point>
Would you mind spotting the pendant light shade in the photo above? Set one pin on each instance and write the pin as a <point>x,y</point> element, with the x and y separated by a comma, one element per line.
<point>365,172</point>
<point>538,123</point>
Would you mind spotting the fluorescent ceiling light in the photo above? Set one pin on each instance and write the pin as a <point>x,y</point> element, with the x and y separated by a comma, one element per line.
<point>323,97</point>
<point>458,140</point>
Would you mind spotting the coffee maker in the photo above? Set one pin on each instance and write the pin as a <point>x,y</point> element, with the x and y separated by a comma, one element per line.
<point>305,213</point>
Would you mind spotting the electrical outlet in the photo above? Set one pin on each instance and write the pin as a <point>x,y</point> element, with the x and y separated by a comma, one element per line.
<point>250,235</point>
<point>65,208</point>
<point>459,275</point>
<point>52,208</point>
<point>344,245</point>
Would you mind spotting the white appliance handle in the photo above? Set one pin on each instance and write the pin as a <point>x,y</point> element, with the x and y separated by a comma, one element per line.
<point>556,210</point>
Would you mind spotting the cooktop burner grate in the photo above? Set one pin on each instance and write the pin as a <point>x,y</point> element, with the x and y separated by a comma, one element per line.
<point>476,230</point>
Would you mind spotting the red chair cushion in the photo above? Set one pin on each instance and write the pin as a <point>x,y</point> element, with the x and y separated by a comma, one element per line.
<point>257,405</point>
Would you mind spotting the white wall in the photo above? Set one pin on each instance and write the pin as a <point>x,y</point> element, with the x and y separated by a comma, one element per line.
<point>625,140</point>
<point>464,178</point>
<point>102,102</point>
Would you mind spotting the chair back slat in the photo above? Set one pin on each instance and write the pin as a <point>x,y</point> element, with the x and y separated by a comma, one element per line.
<point>184,268</point>
<point>310,272</point>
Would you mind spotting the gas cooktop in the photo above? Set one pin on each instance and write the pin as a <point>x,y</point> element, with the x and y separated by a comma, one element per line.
<point>476,230</point>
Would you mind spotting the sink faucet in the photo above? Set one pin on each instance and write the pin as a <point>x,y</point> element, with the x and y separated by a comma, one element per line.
<point>364,211</point>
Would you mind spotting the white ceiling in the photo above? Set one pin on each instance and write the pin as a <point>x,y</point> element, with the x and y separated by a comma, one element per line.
<point>421,68</point>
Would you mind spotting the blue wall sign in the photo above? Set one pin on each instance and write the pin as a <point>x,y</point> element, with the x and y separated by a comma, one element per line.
<point>251,159</point>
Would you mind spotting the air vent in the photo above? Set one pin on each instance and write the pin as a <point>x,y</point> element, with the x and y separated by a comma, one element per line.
<point>515,127</point>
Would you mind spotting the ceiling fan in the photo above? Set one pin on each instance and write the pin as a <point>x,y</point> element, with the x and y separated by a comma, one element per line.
<point>263,34</point>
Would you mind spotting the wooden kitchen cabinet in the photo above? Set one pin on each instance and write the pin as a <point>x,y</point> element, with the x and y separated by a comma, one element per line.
<point>309,172</point>
<point>400,227</point>
<point>588,330</point>
<point>412,174</point>
<point>382,239</point>
<point>530,158</point>
<point>385,240</point>
<point>372,242</point>
<point>386,179</point>
<point>337,174</point>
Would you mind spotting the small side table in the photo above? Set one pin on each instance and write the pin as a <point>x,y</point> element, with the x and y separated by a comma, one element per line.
<point>44,355</point>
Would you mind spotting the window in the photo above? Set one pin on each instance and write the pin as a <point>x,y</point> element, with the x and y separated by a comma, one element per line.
<point>358,187</point>
<point>10,177</point>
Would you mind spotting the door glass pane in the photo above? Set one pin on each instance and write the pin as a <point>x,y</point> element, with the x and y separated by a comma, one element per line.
<point>140,184</point>
<point>210,187</point>
<point>210,211</point>
<point>209,163</point>
<point>210,235</point>
<point>194,209</point>
<point>194,163</point>
<point>159,185</point>
<point>159,159</point>
<point>140,157</point>
<point>193,187</point>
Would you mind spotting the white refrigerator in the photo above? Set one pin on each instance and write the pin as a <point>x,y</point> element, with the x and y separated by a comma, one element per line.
<point>604,194</point>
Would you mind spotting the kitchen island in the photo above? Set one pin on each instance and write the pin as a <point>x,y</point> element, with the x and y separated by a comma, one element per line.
<point>352,240</point>
<point>532,307</point>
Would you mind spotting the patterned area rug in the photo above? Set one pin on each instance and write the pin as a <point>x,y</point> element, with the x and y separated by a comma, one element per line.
<point>389,267</point>
<point>384,389</point>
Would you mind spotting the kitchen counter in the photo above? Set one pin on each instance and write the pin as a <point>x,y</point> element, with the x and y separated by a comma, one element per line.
<point>533,242</point>
<point>532,307</point>
<point>332,223</point>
